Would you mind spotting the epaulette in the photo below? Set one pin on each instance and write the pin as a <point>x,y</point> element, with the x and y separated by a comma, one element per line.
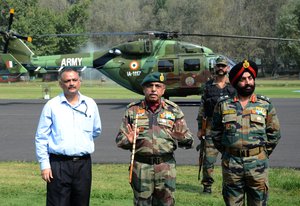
<point>133,104</point>
<point>262,97</point>
<point>170,103</point>
<point>223,98</point>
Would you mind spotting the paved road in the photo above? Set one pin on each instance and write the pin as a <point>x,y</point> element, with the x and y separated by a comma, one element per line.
<point>19,118</point>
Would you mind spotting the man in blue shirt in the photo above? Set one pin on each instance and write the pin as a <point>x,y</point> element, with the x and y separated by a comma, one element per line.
<point>64,141</point>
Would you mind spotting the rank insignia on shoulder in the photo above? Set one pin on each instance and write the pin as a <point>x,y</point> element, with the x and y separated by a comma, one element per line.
<point>263,98</point>
<point>132,104</point>
<point>170,103</point>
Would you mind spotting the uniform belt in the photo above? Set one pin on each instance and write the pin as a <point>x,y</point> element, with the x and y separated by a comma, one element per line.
<point>151,160</point>
<point>66,157</point>
<point>244,152</point>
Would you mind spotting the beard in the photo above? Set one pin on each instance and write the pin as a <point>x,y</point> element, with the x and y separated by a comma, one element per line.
<point>220,72</point>
<point>246,90</point>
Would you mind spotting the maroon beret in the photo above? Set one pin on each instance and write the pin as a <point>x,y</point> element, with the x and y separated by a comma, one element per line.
<point>238,70</point>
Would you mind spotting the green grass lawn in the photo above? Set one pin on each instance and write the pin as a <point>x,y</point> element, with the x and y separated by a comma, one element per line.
<point>34,90</point>
<point>21,185</point>
<point>110,90</point>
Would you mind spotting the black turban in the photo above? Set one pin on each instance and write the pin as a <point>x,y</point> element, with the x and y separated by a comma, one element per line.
<point>238,70</point>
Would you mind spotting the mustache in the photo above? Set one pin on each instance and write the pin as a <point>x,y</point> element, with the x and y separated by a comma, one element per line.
<point>248,85</point>
<point>221,72</point>
<point>246,90</point>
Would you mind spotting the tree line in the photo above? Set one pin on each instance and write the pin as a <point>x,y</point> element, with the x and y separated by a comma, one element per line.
<point>271,18</point>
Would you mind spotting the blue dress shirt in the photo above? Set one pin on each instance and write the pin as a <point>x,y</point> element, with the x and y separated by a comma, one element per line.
<point>66,129</point>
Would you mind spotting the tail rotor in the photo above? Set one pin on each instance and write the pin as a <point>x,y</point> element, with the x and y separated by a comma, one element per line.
<point>8,35</point>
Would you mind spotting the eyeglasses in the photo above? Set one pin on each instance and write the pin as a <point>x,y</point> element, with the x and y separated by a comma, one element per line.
<point>221,65</point>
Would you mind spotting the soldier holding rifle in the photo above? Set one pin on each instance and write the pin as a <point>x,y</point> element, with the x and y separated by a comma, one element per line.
<point>152,129</point>
<point>214,89</point>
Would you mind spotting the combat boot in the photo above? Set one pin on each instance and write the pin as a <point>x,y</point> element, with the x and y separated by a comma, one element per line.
<point>207,189</point>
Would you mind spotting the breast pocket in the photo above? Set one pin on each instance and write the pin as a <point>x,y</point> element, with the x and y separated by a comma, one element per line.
<point>87,124</point>
<point>230,128</point>
<point>143,138</point>
<point>166,126</point>
<point>166,123</point>
<point>257,122</point>
<point>142,125</point>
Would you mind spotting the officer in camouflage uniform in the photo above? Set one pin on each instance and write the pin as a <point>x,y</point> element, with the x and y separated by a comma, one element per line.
<point>214,89</point>
<point>160,128</point>
<point>245,130</point>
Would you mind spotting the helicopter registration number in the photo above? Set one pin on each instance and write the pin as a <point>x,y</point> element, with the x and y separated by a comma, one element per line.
<point>133,73</point>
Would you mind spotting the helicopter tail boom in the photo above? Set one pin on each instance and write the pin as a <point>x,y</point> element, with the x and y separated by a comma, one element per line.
<point>11,64</point>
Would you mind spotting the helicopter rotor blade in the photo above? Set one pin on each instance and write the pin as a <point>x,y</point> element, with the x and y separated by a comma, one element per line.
<point>11,18</point>
<point>25,38</point>
<point>6,34</point>
<point>5,49</point>
<point>164,35</point>
<point>240,37</point>
<point>91,34</point>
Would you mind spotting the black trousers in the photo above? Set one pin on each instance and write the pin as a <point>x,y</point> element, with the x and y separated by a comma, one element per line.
<point>71,183</point>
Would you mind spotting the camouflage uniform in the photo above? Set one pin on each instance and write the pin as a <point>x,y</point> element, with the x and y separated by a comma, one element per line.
<point>245,137</point>
<point>208,101</point>
<point>154,173</point>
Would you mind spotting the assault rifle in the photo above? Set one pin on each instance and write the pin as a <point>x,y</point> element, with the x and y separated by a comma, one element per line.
<point>201,146</point>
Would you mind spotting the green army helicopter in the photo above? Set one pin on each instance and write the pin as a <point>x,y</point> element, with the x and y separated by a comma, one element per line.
<point>187,66</point>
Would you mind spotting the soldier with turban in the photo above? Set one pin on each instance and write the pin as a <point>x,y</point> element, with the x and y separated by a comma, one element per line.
<point>245,130</point>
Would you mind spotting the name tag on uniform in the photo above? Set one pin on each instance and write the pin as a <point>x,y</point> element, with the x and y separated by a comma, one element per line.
<point>229,111</point>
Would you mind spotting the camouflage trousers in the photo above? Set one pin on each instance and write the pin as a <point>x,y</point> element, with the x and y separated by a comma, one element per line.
<point>154,184</point>
<point>245,178</point>
<point>209,159</point>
